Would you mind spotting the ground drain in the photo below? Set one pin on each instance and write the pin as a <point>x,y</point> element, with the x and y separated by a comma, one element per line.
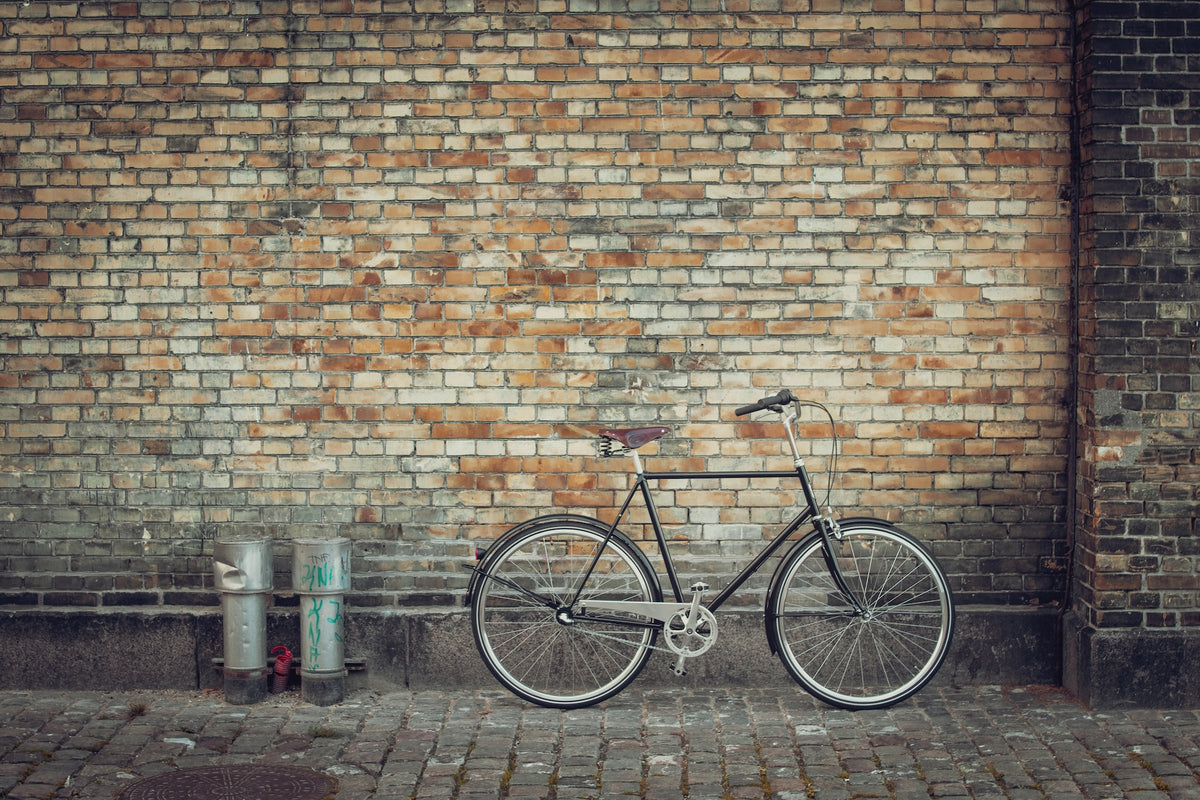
<point>233,782</point>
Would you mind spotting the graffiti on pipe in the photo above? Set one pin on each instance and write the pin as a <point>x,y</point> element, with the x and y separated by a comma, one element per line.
<point>323,621</point>
<point>324,571</point>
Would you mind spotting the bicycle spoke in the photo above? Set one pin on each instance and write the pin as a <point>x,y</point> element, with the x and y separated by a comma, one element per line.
<point>537,648</point>
<point>884,647</point>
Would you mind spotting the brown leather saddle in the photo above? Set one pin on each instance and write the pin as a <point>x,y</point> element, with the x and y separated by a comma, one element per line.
<point>629,438</point>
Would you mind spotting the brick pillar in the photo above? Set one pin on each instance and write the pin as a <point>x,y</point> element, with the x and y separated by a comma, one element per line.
<point>1133,631</point>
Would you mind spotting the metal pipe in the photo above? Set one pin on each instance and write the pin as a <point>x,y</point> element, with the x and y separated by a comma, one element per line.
<point>321,576</point>
<point>242,574</point>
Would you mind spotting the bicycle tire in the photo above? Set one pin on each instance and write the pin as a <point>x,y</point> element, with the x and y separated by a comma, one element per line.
<point>526,630</point>
<point>869,658</point>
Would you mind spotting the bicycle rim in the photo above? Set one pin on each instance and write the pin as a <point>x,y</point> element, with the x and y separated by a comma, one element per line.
<point>876,656</point>
<point>536,650</point>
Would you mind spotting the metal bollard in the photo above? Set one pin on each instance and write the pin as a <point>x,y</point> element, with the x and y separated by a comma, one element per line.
<point>321,576</point>
<point>242,574</point>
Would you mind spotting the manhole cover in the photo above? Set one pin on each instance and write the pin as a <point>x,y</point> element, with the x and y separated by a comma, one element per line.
<point>233,782</point>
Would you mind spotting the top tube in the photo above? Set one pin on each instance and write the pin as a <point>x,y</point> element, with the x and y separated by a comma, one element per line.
<point>669,476</point>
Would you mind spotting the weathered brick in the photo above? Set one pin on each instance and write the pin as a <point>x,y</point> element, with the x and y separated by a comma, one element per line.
<point>1117,314</point>
<point>398,268</point>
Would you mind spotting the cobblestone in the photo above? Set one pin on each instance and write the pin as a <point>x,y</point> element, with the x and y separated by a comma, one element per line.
<point>984,743</point>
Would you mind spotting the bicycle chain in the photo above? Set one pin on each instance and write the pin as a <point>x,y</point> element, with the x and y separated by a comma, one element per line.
<point>626,642</point>
<point>652,647</point>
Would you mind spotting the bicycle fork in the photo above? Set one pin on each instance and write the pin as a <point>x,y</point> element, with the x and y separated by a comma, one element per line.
<point>830,532</point>
<point>825,524</point>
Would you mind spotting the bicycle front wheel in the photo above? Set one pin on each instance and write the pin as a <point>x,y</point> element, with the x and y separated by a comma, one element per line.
<point>878,638</point>
<point>526,613</point>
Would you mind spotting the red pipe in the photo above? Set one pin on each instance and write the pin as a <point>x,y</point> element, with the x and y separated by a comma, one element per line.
<point>283,667</point>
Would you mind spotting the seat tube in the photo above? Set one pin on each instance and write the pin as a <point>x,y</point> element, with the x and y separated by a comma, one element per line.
<point>668,564</point>
<point>643,485</point>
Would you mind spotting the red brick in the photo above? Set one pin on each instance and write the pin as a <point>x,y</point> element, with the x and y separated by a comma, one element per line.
<point>492,238</point>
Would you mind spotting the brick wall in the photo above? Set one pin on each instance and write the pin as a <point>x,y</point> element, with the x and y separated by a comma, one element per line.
<point>1138,557</point>
<point>378,270</point>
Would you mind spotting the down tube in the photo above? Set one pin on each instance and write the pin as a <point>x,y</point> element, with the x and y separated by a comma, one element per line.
<point>760,559</point>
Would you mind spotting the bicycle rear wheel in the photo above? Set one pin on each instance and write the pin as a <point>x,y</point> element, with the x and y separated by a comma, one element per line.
<point>874,652</point>
<point>535,640</point>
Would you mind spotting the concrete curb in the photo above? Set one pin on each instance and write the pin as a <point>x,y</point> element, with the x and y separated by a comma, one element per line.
<point>159,648</point>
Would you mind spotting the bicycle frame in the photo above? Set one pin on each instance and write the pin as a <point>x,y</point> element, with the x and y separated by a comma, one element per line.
<point>859,611</point>
<point>641,486</point>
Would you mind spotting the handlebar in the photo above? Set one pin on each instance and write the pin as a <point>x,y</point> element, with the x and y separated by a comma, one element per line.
<point>775,402</point>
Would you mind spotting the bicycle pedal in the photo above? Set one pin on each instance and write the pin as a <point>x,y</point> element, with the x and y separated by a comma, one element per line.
<point>679,669</point>
<point>700,586</point>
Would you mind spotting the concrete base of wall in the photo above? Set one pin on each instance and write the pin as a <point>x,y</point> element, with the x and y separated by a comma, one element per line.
<point>1131,667</point>
<point>134,648</point>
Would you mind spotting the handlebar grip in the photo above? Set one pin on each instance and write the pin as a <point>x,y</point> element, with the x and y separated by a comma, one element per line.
<point>777,399</point>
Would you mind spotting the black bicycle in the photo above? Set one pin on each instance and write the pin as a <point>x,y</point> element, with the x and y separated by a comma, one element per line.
<point>567,610</point>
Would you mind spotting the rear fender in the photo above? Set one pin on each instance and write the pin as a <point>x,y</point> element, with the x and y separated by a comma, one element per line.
<point>551,520</point>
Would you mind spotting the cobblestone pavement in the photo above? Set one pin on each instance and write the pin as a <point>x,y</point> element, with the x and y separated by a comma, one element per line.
<point>976,742</point>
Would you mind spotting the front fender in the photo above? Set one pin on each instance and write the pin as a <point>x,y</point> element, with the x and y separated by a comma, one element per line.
<point>774,588</point>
